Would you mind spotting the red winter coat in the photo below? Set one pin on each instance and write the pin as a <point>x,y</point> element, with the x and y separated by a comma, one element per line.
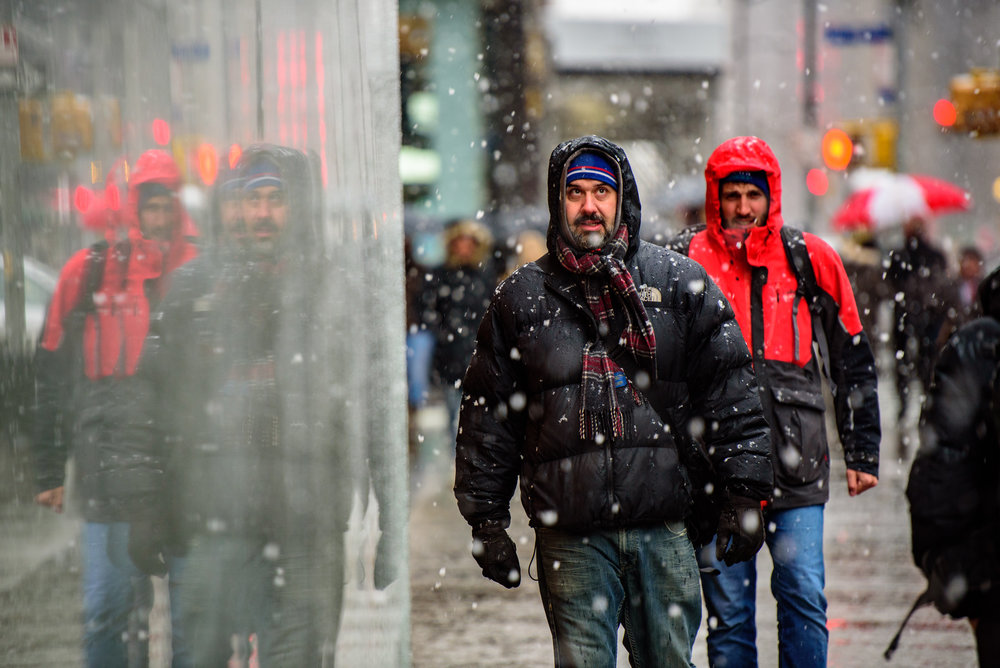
<point>113,334</point>
<point>788,374</point>
<point>86,356</point>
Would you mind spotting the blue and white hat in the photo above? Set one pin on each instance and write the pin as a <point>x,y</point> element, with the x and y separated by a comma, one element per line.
<point>262,172</point>
<point>590,165</point>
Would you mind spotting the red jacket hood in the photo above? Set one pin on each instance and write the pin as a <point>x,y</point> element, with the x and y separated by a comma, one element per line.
<point>742,154</point>
<point>158,166</point>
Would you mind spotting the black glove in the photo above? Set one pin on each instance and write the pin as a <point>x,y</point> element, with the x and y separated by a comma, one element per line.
<point>147,547</point>
<point>741,530</point>
<point>496,555</point>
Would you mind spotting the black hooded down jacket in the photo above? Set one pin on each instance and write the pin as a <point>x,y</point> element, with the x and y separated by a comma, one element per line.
<point>521,403</point>
<point>955,477</point>
<point>237,409</point>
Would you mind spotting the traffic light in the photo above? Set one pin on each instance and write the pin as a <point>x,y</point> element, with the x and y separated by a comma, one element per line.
<point>161,131</point>
<point>976,98</point>
<point>837,149</point>
<point>945,113</point>
<point>866,142</point>
<point>208,163</point>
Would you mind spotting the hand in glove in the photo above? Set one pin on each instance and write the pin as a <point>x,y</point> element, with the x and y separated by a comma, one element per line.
<point>741,530</point>
<point>147,546</point>
<point>386,562</point>
<point>496,555</point>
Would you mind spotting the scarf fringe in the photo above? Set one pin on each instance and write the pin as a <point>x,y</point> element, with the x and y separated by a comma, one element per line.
<point>614,423</point>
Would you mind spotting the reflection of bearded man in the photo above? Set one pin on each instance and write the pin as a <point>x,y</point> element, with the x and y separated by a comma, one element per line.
<point>265,207</point>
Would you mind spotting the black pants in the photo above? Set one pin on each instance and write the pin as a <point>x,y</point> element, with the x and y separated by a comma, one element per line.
<point>987,632</point>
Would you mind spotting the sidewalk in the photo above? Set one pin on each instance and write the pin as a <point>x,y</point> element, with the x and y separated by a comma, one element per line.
<point>461,619</point>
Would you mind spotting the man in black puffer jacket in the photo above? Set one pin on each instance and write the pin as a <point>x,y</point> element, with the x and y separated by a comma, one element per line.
<point>599,371</point>
<point>955,478</point>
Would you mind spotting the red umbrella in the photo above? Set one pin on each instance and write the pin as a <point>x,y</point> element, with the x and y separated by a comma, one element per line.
<point>897,197</point>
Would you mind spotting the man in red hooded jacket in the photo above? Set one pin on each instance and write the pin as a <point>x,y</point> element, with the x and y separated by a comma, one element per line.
<point>743,251</point>
<point>86,358</point>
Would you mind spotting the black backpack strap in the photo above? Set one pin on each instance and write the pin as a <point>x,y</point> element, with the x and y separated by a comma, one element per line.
<point>681,243</point>
<point>93,276</point>
<point>808,289</point>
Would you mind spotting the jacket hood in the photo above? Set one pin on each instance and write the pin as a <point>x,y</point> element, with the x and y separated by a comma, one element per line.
<point>989,294</point>
<point>741,154</point>
<point>157,166</point>
<point>629,209</point>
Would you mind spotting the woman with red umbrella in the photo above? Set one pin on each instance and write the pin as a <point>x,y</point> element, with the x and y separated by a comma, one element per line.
<point>917,278</point>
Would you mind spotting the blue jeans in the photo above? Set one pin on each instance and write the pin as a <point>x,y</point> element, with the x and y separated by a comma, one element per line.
<point>117,598</point>
<point>286,595</point>
<point>419,353</point>
<point>645,579</point>
<point>795,540</point>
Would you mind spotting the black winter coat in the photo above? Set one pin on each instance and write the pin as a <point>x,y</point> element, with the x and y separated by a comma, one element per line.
<point>237,407</point>
<point>954,484</point>
<point>521,403</point>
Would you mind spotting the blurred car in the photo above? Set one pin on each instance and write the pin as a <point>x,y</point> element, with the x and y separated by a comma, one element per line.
<point>39,284</point>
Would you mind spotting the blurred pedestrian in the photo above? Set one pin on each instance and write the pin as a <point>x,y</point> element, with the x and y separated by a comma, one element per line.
<point>595,369</point>
<point>419,346</point>
<point>970,275</point>
<point>761,267</point>
<point>955,478</point>
<point>86,362</point>
<point>923,295</point>
<point>249,481</point>
<point>456,297</point>
<point>864,263</point>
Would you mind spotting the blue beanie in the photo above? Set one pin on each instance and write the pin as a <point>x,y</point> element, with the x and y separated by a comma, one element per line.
<point>757,178</point>
<point>589,165</point>
<point>261,172</point>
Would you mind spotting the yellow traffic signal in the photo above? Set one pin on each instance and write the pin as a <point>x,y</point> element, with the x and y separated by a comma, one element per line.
<point>976,96</point>
<point>837,149</point>
<point>866,142</point>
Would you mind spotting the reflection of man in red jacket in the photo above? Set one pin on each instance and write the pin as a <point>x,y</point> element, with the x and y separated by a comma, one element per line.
<point>743,252</point>
<point>89,349</point>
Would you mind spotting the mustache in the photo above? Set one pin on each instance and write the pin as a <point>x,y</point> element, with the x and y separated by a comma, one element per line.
<point>265,225</point>
<point>589,218</point>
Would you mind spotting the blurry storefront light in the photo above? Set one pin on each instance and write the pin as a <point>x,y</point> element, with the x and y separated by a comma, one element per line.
<point>996,189</point>
<point>422,109</point>
<point>419,166</point>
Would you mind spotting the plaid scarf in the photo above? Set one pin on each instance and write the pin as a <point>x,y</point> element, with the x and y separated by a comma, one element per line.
<point>602,412</point>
